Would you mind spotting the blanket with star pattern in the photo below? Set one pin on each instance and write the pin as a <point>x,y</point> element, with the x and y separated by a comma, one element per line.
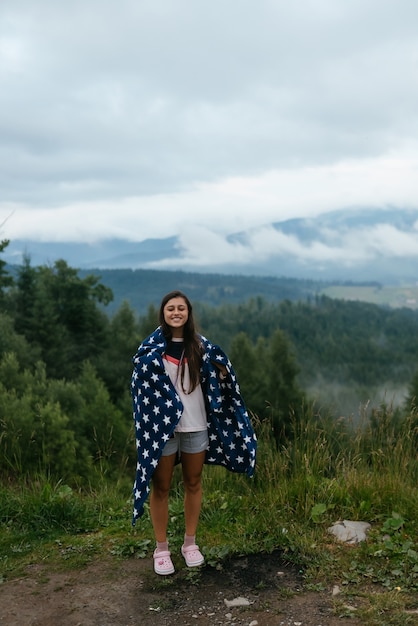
<point>157,409</point>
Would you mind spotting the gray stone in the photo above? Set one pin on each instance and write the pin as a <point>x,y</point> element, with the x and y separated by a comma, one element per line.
<point>350,532</point>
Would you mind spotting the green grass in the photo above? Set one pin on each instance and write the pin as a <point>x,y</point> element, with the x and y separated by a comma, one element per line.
<point>330,471</point>
<point>385,295</point>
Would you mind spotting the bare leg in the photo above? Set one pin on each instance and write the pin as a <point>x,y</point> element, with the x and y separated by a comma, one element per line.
<point>192,465</point>
<point>161,482</point>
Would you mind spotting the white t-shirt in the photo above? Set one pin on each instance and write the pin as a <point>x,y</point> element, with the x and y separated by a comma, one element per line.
<point>194,417</point>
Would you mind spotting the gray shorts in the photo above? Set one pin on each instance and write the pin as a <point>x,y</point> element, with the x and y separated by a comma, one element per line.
<point>191,443</point>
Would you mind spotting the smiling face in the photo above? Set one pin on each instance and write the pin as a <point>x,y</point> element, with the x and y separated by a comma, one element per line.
<point>176,314</point>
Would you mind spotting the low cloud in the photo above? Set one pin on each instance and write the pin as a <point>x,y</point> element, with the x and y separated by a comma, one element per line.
<point>226,206</point>
<point>201,247</point>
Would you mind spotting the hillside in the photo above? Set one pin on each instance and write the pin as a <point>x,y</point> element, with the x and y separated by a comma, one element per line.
<point>144,287</point>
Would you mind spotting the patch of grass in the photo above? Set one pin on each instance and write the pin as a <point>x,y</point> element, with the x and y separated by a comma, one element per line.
<point>390,560</point>
<point>385,609</point>
<point>300,489</point>
<point>130,546</point>
<point>387,295</point>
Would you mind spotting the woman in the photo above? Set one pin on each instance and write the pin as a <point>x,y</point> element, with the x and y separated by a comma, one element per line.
<point>187,408</point>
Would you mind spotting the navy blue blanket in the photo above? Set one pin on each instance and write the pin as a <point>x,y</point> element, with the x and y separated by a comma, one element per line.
<point>157,410</point>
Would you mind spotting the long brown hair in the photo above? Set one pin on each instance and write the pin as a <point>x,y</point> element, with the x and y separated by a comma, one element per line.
<point>192,345</point>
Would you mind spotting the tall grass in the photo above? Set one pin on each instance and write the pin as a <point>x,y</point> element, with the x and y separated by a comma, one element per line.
<point>329,470</point>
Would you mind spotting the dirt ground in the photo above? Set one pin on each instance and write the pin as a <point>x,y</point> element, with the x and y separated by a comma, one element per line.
<point>127,593</point>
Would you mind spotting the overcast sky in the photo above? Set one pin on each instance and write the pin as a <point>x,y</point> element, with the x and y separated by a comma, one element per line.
<point>151,118</point>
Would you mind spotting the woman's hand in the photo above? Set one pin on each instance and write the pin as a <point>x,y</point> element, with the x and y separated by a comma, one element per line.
<point>222,369</point>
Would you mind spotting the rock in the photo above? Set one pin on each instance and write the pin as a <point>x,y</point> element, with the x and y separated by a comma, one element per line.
<point>350,532</point>
<point>237,602</point>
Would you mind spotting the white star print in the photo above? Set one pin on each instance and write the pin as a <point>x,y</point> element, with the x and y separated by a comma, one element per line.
<point>152,388</point>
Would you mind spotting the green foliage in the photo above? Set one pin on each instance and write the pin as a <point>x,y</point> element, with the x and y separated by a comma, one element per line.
<point>114,364</point>
<point>43,508</point>
<point>57,413</point>
<point>34,433</point>
<point>383,609</point>
<point>149,322</point>
<point>390,559</point>
<point>318,511</point>
<point>267,374</point>
<point>63,428</point>
<point>57,312</point>
<point>142,288</point>
<point>216,556</point>
<point>363,343</point>
<point>11,341</point>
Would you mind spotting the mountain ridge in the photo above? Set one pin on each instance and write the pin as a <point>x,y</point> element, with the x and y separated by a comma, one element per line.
<point>346,245</point>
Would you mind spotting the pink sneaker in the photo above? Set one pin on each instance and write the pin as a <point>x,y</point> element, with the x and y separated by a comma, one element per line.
<point>163,564</point>
<point>192,555</point>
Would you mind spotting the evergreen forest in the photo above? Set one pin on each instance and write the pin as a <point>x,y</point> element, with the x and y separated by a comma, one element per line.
<point>66,362</point>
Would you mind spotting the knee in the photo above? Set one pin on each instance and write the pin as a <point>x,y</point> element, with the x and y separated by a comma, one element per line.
<point>193,485</point>
<point>160,490</point>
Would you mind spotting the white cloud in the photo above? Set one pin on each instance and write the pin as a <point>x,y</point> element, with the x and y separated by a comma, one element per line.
<point>225,207</point>
<point>385,240</point>
<point>143,119</point>
<point>348,247</point>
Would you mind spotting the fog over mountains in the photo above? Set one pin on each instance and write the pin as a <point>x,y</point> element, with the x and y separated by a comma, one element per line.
<point>350,245</point>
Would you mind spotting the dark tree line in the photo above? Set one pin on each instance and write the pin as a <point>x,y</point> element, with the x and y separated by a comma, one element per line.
<point>353,341</point>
